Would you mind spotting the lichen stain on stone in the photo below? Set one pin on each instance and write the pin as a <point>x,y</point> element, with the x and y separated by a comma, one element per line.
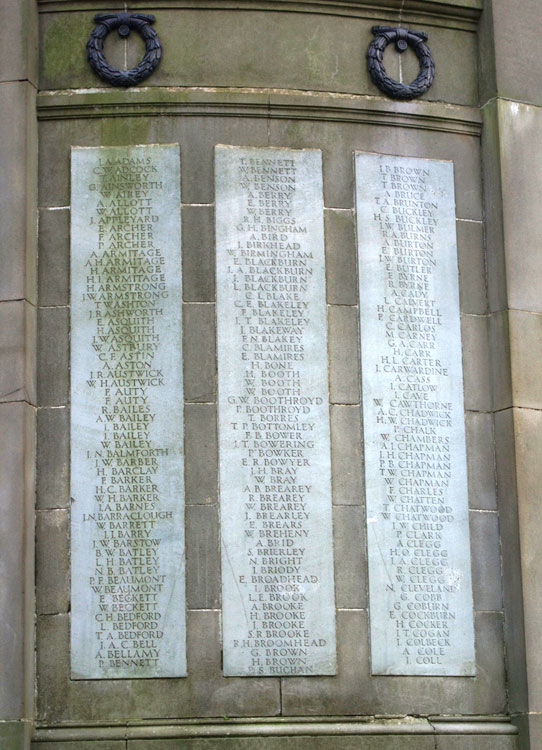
<point>64,49</point>
<point>125,131</point>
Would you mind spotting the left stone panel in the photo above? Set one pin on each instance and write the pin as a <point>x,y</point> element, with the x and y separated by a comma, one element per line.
<point>127,488</point>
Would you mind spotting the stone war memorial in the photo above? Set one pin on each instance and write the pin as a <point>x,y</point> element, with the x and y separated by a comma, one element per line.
<point>270,411</point>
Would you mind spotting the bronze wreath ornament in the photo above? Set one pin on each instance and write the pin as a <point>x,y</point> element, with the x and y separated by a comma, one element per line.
<point>403,38</point>
<point>124,22</point>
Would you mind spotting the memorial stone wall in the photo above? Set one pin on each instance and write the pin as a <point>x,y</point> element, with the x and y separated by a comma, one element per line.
<point>268,399</point>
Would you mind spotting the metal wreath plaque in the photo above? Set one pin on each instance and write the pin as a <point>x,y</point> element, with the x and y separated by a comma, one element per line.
<point>402,38</point>
<point>124,22</point>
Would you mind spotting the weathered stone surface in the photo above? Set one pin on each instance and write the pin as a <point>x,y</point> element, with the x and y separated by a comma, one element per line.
<point>53,458</point>
<point>198,254</point>
<point>14,381</point>
<point>334,742</point>
<point>525,336</point>
<point>527,429</point>
<point>350,559</point>
<point>481,460</point>
<point>343,354</point>
<point>127,504</point>
<point>203,693</point>
<point>202,557</point>
<point>54,256</point>
<point>413,416</point>
<point>19,41</point>
<point>472,270</point>
<point>201,454</point>
<point>82,745</point>
<point>17,424</point>
<point>346,455</point>
<point>18,163</point>
<point>53,356</point>
<point>274,443</point>
<point>476,362</point>
<point>199,363</point>
<point>52,561</point>
<point>341,277</point>
<point>512,584</point>
<point>355,691</point>
<point>480,742</point>
<point>486,561</point>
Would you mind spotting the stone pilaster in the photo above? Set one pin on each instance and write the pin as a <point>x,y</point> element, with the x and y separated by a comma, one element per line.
<point>18,219</point>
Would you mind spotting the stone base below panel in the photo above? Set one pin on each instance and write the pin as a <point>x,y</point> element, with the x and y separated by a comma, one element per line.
<point>464,733</point>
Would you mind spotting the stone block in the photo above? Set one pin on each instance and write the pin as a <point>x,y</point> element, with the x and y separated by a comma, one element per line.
<point>517,79</point>
<point>521,166</point>
<point>17,426</point>
<point>487,73</point>
<point>476,371</point>
<point>54,257</point>
<point>17,360</point>
<point>349,545</point>
<point>346,455</point>
<point>263,742</point>
<point>486,560</point>
<point>201,454</point>
<point>198,254</point>
<point>19,41</point>
<point>15,735</point>
<point>501,374</point>
<point>199,352</point>
<point>18,162</point>
<point>492,182</point>
<point>204,693</point>
<point>52,561</point>
<point>527,429</point>
<point>53,471</point>
<point>534,728</point>
<point>341,271</point>
<point>81,745</point>
<point>202,557</point>
<point>480,460</point>
<point>525,336</point>
<point>477,742</point>
<point>53,356</point>
<point>343,348</point>
<point>505,452</point>
<point>472,271</point>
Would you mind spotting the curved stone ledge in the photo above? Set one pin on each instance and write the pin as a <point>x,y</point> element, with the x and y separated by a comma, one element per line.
<point>314,727</point>
<point>458,11</point>
<point>267,103</point>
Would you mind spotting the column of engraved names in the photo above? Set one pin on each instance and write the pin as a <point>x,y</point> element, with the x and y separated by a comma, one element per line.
<point>414,455</point>
<point>126,288</point>
<point>269,273</point>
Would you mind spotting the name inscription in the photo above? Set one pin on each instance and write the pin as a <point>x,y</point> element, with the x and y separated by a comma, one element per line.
<point>275,488</point>
<point>415,464</point>
<point>128,597</point>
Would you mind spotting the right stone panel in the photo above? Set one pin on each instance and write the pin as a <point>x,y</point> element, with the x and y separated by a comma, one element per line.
<point>415,461</point>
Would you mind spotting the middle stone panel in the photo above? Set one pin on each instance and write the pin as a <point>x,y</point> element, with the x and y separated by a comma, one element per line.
<point>273,414</point>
